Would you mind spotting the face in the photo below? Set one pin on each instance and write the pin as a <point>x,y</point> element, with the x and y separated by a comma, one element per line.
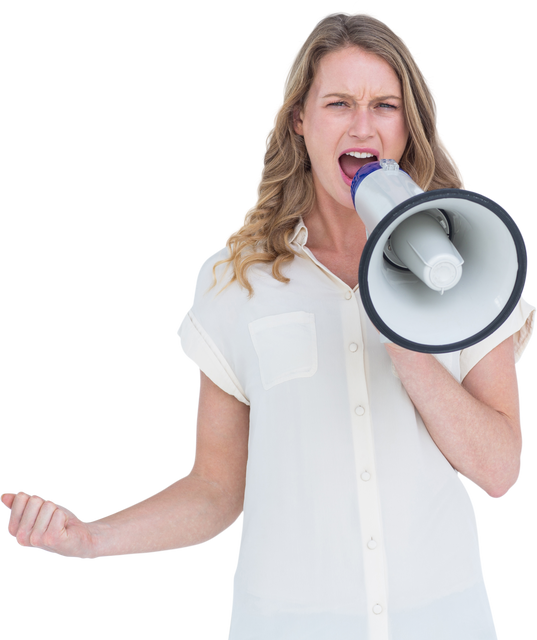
<point>354,106</point>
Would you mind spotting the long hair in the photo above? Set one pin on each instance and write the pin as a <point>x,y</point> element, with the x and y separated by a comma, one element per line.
<point>286,191</point>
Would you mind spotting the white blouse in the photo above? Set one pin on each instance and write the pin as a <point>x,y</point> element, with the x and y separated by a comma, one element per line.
<point>356,527</point>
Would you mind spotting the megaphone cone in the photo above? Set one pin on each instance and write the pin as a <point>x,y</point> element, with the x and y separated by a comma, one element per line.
<point>441,270</point>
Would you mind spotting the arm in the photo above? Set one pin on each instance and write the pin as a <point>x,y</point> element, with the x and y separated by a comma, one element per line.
<point>476,425</point>
<point>192,510</point>
<point>187,513</point>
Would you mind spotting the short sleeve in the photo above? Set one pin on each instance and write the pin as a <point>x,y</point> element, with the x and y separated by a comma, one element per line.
<point>199,347</point>
<point>205,331</point>
<point>519,325</point>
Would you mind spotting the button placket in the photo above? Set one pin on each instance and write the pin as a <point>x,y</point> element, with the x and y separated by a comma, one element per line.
<point>367,488</point>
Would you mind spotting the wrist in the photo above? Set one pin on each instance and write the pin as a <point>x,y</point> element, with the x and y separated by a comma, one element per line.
<point>98,539</point>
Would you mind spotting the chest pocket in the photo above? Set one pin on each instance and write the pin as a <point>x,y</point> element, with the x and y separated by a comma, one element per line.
<point>286,345</point>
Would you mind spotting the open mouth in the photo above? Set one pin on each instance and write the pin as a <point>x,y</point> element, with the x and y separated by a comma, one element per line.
<point>351,161</point>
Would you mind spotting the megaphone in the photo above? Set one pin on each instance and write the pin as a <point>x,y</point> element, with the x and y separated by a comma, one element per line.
<point>441,270</point>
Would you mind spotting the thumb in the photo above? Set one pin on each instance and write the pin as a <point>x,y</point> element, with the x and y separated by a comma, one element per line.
<point>8,499</point>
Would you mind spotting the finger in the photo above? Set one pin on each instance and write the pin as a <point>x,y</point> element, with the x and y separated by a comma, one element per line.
<point>57,531</point>
<point>42,523</point>
<point>17,509</point>
<point>28,519</point>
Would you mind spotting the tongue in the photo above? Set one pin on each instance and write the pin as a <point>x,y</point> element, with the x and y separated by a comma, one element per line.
<point>350,164</point>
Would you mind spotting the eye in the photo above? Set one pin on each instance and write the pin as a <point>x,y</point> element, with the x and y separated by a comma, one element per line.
<point>386,106</point>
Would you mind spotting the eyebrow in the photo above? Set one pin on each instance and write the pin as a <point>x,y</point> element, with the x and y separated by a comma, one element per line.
<point>348,95</point>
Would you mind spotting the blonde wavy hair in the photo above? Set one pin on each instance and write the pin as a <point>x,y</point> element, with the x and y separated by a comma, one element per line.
<point>286,191</point>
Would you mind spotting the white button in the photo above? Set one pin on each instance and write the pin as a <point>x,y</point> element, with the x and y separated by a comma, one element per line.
<point>377,609</point>
<point>359,411</point>
<point>365,476</point>
<point>348,295</point>
<point>371,544</point>
<point>353,347</point>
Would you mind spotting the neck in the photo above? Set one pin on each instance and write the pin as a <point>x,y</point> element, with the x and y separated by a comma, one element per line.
<point>332,227</point>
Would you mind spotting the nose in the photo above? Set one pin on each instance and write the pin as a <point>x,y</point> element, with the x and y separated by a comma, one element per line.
<point>361,126</point>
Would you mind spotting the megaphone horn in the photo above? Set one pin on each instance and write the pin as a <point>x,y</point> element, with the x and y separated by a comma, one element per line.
<point>441,270</point>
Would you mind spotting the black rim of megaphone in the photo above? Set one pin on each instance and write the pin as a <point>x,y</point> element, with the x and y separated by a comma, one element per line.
<point>399,210</point>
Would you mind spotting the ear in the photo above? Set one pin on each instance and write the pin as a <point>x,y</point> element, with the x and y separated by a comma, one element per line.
<point>297,121</point>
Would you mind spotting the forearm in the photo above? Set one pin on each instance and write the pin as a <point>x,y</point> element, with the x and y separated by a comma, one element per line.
<point>188,512</point>
<point>480,442</point>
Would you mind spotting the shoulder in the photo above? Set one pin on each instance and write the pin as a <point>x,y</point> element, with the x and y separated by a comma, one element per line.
<point>208,272</point>
<point>219,256</point>
<point>214,284</point>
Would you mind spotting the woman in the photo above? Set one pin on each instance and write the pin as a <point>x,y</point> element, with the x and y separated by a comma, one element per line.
<point>355,522</point>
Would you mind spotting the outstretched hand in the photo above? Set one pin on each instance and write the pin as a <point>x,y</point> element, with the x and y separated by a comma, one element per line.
<point>40,523</point>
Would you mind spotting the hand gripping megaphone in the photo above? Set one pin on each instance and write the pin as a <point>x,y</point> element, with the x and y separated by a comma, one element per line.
<point>441,270</point>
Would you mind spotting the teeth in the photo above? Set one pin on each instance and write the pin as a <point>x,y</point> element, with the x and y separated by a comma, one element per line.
<point>360,154</point>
